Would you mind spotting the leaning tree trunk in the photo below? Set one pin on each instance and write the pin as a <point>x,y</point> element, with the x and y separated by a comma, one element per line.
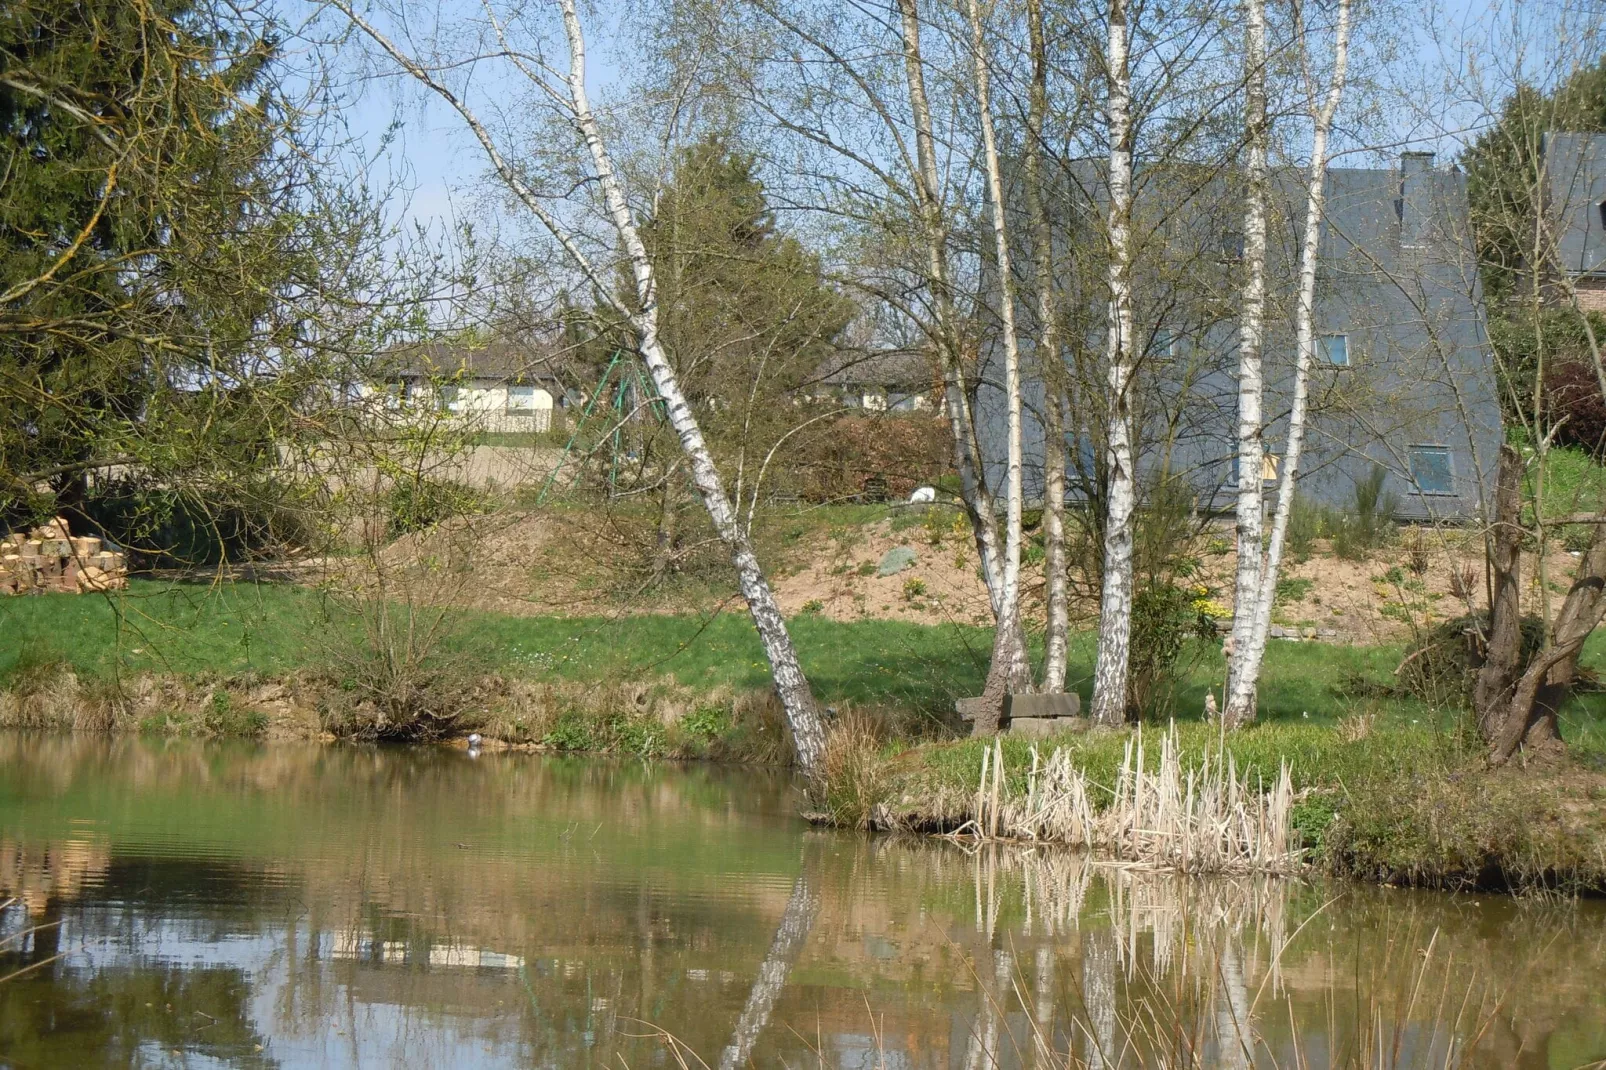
<point>1251,383</point>
<point>1051,371</point>
<point>1115,604</point>
<point>802,713</point>
<point>1248,677</point>
<point>1008,669</point>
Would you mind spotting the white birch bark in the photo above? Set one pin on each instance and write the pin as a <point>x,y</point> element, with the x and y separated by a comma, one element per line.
<point>1050,371</point>
<point>1251,382</point>
<point>1305,340</point>
<point>792,687</point>
<point>1009,671</point>
<point>1115,604</point>
<point>1008,653</point>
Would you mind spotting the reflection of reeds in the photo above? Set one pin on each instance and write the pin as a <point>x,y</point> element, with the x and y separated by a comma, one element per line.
<point>1204,819</point>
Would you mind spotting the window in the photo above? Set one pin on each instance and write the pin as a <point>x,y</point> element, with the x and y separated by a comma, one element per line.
<point>520,397</point>
<point>448,398</point>
<point>1268,468</point>
<point>1335,350</point>
<point>1430,469</point>
<point>1602,207</point>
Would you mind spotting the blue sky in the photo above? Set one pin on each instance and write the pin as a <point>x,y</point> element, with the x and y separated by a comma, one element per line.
<point>440,165</point>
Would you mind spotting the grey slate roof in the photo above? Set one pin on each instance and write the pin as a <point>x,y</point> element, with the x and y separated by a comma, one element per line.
<point>501,360</point>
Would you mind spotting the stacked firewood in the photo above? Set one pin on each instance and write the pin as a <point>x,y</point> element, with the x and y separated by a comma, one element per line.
<point>48,558</point>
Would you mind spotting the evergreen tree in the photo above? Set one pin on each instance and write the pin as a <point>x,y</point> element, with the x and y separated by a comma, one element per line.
<point>165,255</point>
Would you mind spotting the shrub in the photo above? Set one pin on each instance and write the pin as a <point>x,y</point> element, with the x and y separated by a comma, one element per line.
<point>420,503</point>
<point>163,527</point>
<point>1368,527</point>
<point>1307,522</point>
<point>1165,616</point>
<point>1442,668</point>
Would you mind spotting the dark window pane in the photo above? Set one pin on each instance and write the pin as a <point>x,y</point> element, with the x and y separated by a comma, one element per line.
<point>1430,469</point>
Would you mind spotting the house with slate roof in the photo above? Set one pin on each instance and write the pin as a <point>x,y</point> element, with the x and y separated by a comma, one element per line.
<point>1576,167</point>
<point>1405,376</point>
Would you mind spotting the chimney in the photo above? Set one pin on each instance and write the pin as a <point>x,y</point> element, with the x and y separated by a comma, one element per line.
<point>1415,205</point>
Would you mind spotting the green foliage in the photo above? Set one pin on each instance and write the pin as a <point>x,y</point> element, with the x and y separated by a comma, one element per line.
<point>1504,168</point>
<point>1307,522</point>
<point>1292,590</point>
<point>163,218</point>
<point>420,503</point>
<point>1369,524</point>
<point>1165,615</point>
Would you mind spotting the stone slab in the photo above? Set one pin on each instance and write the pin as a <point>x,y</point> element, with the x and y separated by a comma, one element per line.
<point>1044,706</point>
<point>1041,727</point>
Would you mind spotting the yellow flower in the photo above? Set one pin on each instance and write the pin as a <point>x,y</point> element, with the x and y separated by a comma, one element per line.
<point>1209,607</point>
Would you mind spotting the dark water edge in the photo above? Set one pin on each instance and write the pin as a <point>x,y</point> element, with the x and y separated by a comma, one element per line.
<point>185,903</point>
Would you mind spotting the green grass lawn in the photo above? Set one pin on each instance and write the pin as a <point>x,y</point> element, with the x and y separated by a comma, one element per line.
<point>238,628</point>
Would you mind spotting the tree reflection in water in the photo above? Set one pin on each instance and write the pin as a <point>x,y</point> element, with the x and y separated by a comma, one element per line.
<point>354,906</point>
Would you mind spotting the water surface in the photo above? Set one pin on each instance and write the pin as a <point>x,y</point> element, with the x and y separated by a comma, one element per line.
<point>199,905</point>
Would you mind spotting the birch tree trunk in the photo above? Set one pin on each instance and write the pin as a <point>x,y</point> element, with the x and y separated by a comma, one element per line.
<point>1009,654</point>
<point>792,687</point>
<point>1051,372</point>
<point>1305,337</point>
<point>1115,605</point>
<point>1011,671</point>
<point>1251,383</point>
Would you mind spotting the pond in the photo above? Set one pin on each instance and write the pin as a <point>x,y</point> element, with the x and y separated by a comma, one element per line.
<point>202,904</point>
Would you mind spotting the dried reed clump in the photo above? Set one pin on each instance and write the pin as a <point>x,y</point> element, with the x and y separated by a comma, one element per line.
<point>1204,819</point>
<point>856,782</point>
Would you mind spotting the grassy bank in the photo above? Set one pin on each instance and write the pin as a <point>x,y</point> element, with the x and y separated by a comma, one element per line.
<point>1388,789</point>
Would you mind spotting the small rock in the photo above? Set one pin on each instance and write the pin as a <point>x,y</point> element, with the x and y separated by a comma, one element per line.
<point>895,561</point>
<point>1276,631</point>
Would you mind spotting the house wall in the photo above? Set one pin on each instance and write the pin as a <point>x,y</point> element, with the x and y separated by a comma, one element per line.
<point>493,405</point>
<point>1419,389</point>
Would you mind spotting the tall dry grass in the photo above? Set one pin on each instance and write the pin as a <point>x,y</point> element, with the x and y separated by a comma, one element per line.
<point>1195,819</point>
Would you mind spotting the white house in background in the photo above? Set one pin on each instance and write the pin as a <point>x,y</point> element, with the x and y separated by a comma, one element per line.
<point>888,381</point>
<point>501,386</point>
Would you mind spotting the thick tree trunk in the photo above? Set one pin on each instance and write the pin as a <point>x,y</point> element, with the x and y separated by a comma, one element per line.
<point>1050,370</point>
<point>1528,722</point>
<point>1251,383</point>
<point>1503,649</point>
<point>1008,670</point>
<point>1115,605</point>
<point>802,713</point>
<point>1305,335</point>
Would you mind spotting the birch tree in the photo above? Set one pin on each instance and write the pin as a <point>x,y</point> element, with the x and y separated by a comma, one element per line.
<point>1007,670</point>
<point>1251,383</point>
<point>1324,107</point>
<point>1050,368</point>
<point>1009,654</point>
<point>1115,604</point>
<point>566,91</point>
